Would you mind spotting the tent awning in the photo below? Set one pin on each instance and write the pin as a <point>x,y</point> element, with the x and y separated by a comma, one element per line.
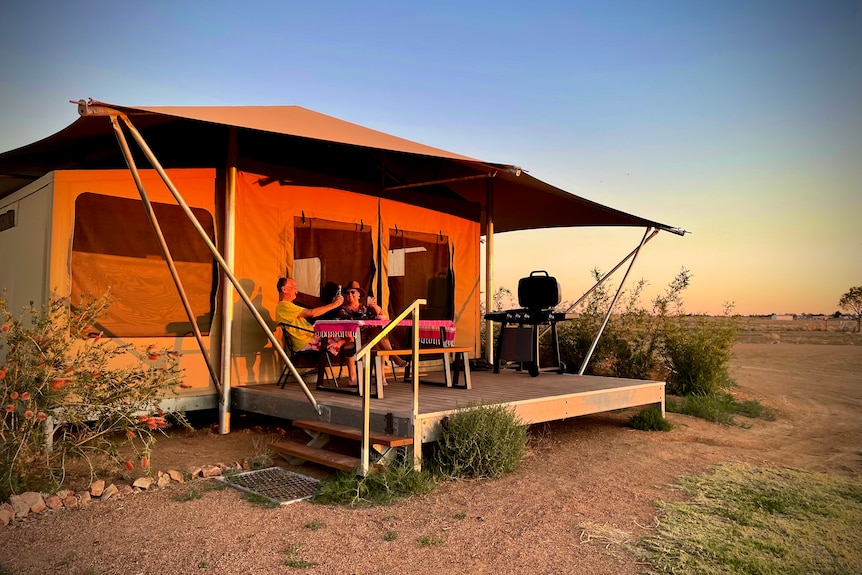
<point>299,146</point>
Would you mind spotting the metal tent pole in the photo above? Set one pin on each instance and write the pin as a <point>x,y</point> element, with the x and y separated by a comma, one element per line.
<point>611,307</point>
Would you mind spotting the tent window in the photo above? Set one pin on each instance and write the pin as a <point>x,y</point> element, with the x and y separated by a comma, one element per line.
<point>419,267</point>
<point>326,251</point>
<point>114,247</point>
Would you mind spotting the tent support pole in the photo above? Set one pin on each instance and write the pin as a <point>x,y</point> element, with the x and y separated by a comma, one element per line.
<point>634,256</point>
<point>489,268</point>
<point>605,277</point>
<point>227,287</point>
<point>166,252</point>
<point>435,182</point>
<point>222,264</point>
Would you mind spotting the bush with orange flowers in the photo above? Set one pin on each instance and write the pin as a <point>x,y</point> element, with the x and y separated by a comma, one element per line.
<point>63,398</point>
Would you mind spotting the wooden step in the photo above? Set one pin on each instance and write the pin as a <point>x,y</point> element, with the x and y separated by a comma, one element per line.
<point>321,456</point>
<point>353,433</point>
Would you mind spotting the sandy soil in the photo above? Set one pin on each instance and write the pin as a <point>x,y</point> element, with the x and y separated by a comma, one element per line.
<point>586,484</point>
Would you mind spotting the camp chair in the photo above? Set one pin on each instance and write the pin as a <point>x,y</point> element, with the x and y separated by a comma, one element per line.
<point>308,358</point>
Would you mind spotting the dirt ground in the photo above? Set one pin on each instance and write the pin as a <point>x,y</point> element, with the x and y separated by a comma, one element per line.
<point>586,484</point>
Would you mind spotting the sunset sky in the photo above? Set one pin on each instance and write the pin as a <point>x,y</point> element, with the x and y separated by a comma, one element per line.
<point>738,121</point>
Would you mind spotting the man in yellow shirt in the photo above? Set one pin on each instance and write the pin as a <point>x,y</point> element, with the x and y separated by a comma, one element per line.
<point>287,312</point>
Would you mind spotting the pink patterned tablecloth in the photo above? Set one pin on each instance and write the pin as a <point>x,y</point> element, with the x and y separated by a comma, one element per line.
<point>429,329</point>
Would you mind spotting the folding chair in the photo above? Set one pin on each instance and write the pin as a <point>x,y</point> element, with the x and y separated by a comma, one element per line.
<point>308,358</point>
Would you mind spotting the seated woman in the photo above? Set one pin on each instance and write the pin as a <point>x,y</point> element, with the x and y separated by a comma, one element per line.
<point>352,308</point>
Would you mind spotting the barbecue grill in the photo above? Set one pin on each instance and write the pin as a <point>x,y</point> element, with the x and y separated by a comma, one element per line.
<point>538,294</point>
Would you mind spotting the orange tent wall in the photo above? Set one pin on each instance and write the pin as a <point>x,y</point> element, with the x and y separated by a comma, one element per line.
<point>464,237</point>
<point>264,228</point>
<point>198,189</point>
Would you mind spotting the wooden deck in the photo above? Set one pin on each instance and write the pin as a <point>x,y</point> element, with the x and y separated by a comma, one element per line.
<point>548,397</point>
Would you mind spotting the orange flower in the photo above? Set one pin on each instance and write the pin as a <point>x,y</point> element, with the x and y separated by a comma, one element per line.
<point>10,408</point>
<point>151,423</point>
<point>25,396</point>
<point>130,434</point>
<point>13,396</point>
<point>130,466</point>
<point>28,414</point>
<point>41,416</point>
<point>3,373</point>
<point>145,463</point>
<point>154,356</point>
<point>142,418</point>
<point>4,327</point>
<point>59,383</point>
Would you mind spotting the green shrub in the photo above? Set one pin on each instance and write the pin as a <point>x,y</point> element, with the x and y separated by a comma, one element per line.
<point>714,408</point>
<point>718,408</point>
<point>650,419</point>
<point>697,354</point>
<point>64,398</point>
<point>383,487</point>
<point>480,441</point>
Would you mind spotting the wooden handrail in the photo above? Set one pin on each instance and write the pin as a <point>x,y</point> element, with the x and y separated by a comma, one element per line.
<point>363,355</point>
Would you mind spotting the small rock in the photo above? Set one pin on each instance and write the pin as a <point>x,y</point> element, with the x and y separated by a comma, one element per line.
<point>176,476</point>
<point>210,471</point>
<point>109,492</point>
<point>195,472</point>
<point>163,481</point>
<point>124,489</point>
<point>70,501</point>
<point>7,514</point>
<point>21,508</point>
<point>143,483</point>
<point>54,502</point>
<point>36,501</point>
<point>97,488</point>
<point>64,493</point>
<point>84,497</point>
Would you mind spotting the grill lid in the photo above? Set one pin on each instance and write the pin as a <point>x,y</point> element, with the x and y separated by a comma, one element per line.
<point>538,291</point>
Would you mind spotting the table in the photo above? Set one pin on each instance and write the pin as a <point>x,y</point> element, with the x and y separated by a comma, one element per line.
<point>439,332</point>
<point>431,331</point>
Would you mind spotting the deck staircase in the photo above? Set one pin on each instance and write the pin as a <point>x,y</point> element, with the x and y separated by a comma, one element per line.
<point>383,445</point>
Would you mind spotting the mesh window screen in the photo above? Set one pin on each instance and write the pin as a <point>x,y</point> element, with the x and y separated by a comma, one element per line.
<point>114,247</point>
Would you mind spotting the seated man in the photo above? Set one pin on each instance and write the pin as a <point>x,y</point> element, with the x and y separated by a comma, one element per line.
<point>287,312</point>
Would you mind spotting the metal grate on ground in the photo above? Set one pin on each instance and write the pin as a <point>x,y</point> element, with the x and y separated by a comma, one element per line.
<point>275,483</point>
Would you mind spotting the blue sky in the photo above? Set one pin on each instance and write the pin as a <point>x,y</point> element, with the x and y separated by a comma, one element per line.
<point>738,121</point>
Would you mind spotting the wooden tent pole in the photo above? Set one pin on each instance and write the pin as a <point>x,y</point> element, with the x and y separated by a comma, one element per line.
<point>489,268</point>
<point>166,252</point>
<point>221,262</point>
<point>227,287</point>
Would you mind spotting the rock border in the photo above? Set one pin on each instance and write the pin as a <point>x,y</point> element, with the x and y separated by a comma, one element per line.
<point>32,503</point>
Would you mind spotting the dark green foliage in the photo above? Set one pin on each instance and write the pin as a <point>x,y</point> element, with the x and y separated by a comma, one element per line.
<point>697,354</point>
<point>480,441</point>
<point>381,488</point>
<point>650,419</point>
<point>718,407</point>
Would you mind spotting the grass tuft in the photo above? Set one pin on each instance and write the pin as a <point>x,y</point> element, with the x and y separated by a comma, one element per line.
<point>381,488</point>
<point>189,495</point>
<point>296,562</point>
<point>718,408</point>
<point>260,500</point>
<point>650,419</point>
<point>766,521</point>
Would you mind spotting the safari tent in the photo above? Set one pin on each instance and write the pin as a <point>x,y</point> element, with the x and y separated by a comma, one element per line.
<point>277,190</point>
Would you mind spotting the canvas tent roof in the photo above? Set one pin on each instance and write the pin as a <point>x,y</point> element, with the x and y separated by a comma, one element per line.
<point>297,145</point>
